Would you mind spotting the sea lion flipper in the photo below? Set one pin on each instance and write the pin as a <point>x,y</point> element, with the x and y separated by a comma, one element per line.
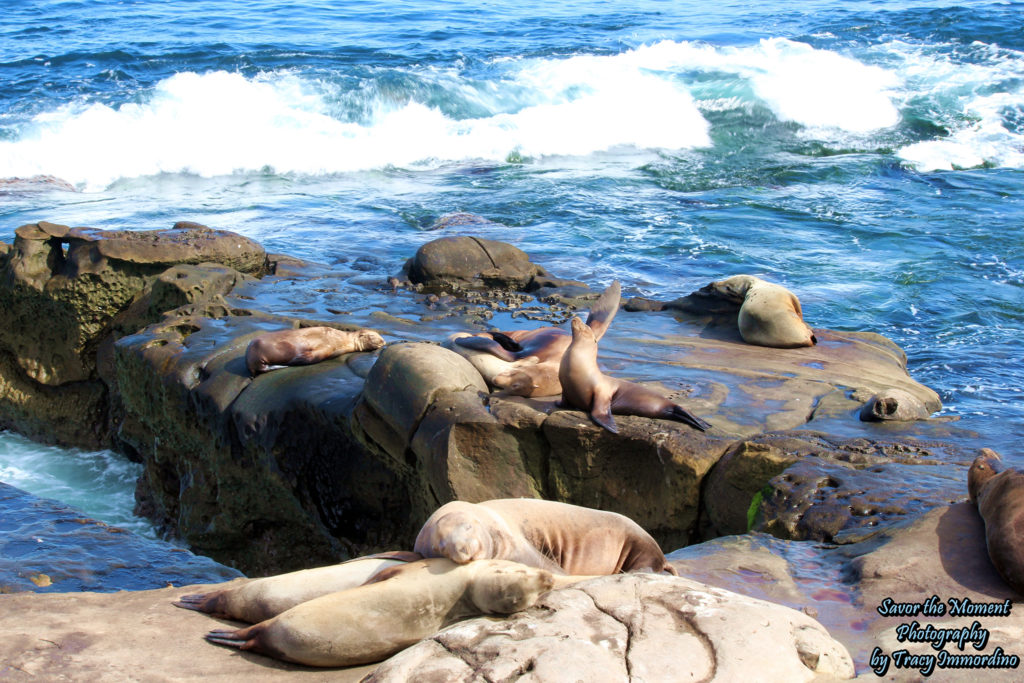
<point>506,342</point>
<point>228,637</point>
<point>195,601</point>
<point>601,409</point>
<point>486,344</point>
<point>684,415</point>
<point>604,309</point>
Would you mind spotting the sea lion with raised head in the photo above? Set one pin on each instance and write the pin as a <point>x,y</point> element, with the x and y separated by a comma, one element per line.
<point>542,347</point>
<point>559,537</point>
<point>770,314</point>
<point>998,493</point>
<point>256,600</point>
<point>306,345</point>
<point>893,405</point>
<point>584,387</point>
<point>401,607</point>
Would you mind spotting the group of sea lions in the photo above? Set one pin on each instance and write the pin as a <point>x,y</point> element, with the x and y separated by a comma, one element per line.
<point>495,557</point>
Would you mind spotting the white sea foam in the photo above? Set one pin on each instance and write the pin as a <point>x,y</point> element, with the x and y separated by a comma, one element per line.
<point>652,97</point>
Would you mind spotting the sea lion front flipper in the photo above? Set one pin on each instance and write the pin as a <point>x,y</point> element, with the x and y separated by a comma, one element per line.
<point>684,415</point>
<point>604,310</point>
<point>200,602</point>
<point>484,344</point>
<point>601,408</point>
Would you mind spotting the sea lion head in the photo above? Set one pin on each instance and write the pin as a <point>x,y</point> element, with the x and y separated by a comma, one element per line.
<point>581,331</point>
<point>985,466</point>
<point>461,538</point>
<point>514,382</point>
<point>504,587</point>
<point>368,340</point>
<point>736,287</point>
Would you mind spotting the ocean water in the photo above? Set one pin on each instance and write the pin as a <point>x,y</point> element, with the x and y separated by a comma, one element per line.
<point>869,155</point>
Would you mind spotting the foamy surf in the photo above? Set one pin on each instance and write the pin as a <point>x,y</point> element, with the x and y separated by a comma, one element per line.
<point>654,97</point>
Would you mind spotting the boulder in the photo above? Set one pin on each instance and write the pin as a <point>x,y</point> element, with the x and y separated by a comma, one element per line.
<point>630,627</point>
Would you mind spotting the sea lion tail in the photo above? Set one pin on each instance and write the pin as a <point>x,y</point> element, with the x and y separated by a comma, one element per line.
<point>684,415</point>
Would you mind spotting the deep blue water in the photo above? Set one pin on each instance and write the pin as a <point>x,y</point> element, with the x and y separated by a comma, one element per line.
<point>868,155</point>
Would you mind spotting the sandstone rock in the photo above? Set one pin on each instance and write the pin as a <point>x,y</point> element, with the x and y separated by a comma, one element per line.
<point>631,627</point>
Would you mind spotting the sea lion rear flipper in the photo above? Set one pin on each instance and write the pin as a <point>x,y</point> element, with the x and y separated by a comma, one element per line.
<point>684,415</point>
<point>604,310</point>
<point>506,342</point>
<point>484,344</point>
<point>230,638</point>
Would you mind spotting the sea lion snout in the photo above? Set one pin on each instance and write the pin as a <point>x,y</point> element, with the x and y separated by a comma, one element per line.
<point>461,543</point>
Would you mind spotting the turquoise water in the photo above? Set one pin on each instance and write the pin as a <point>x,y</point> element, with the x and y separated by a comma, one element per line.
<point>868,155</point>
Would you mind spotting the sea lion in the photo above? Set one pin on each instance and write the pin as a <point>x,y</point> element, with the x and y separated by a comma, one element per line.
<point>893,405</point>
<point>407,604</point>
<point>306,345</point>
<point>559,537</point>
<point>770,314</point>
<point>584,387</point>
<point>255,600</point>
<point>999,495</point>
<point>546,345</point>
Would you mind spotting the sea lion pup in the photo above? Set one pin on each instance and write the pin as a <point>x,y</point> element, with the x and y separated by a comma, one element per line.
<point>770,314</point>
<point>559,537</point>
<point>546,344</point>
<point>999,495</point>
<point>585,388</point>
<point>405,605</point>
<point>306,345</point>
<point>257,600</point>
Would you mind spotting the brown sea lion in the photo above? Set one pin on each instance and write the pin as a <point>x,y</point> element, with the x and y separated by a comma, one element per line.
<point>545,344</point>
<point>405,605</point>
<point>559,537</point>
<point>770,314</point>
<point>999,494</point>
<point>306,345</point>
<point>584,387</point>
<point>256,600</point>
<point>893,405</point>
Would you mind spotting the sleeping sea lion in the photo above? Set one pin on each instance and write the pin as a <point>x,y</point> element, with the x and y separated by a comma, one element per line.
<point>255,600</point>
<point>584,387</point>
<point>999,494</point>
<point>770,314</point>
<point>403,606</point>
<point>546,345</point>
<point>559,537</point>
<point>306,345</point>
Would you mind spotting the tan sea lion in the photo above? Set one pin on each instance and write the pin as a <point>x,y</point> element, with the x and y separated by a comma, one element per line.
<point>255,600</point>
<point>306,345</point>
<point>999,494</point>
<point>405,605</point>
<point>559,537</point>
<point>546,345</point>
<point>770,314</point>
<point>584,387</point>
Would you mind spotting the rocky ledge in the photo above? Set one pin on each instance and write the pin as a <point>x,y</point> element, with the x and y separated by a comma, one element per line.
<point>136,341</point>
